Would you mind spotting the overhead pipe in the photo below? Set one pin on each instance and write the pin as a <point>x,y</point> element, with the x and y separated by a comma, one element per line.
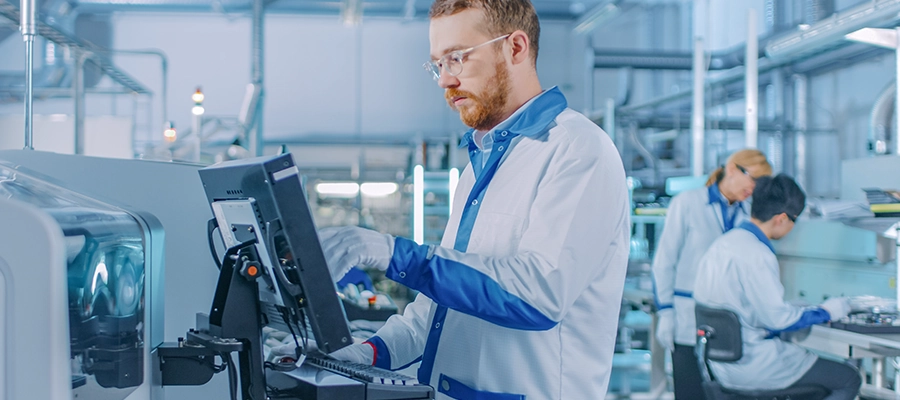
<point>79,96</point>
<point>829,32</point>
<point>257,143</point>
<point>880,120</point>
<point>28,27</point>
<point>679,122</point>
<point>53,72</point>
<point>697,110</point>
<point>164,69</point>
<point>642,150</point>
<point>667,60</point>
<point>801,124</point>
<point>880,13</point>
<point>678,60</point>
<point>751,87</point>
<point>897,103</point>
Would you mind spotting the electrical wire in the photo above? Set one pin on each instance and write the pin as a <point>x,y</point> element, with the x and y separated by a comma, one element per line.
<point>211,227</point>
<point>232,374</point>
<point>287,321</point>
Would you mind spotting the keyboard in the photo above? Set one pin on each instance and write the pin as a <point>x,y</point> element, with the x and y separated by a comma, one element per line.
<point>325,379</point>
<point>363,372</point>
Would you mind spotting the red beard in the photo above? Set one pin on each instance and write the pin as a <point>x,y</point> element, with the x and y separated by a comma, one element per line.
<point>487,108</point>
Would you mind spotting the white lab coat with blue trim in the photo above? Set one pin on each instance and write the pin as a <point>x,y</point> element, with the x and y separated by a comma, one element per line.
<point>740,273</point>
<point>532,304</point>
<point>693,221</point>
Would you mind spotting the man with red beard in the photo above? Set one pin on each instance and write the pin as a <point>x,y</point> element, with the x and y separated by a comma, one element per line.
<point>521,299</point>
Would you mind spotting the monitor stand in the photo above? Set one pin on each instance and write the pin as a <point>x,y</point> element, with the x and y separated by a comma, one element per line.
<point>233,325</point>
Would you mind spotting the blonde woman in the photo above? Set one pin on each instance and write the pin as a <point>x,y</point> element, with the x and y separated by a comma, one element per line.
<point>694,219</point>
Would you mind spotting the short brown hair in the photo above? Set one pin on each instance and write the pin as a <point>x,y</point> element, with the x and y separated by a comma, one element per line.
<point>501,17</point>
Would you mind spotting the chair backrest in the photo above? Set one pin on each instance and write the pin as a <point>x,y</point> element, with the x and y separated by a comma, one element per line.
<point>722,330</point>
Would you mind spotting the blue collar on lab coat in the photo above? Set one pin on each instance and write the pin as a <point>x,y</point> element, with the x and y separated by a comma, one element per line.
<point>715,197</point>
<point>530,120</point>
<point>758,233</point>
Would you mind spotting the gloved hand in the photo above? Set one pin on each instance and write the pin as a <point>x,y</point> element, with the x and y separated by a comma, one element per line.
<point>361,353</point>
<point>665,328</point>
<point>837,307</point>
<point>351,246</point>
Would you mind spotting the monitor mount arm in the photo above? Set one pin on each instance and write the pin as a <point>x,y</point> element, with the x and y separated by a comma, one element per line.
<point>233,325</point>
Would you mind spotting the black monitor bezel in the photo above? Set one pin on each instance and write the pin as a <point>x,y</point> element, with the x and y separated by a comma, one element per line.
<point>273,183</point>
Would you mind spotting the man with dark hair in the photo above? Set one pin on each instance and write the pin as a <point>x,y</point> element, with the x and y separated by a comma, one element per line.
<point>521,299</point>
<point>740,273</point>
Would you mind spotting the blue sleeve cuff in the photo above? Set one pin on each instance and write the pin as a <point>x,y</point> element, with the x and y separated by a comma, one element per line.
<point>382,355</point>
<point>809,318</point>
<point>462,288</point>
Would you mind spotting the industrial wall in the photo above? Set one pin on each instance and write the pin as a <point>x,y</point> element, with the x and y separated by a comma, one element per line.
<point>327,80</point>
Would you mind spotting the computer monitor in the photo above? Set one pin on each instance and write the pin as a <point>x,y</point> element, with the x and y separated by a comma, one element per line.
<point>262,200</point>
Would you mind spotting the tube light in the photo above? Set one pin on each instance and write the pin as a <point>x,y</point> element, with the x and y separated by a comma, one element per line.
<point>419,204</point>
<point>337,189</point>
<point>596,17</point>
<point>454,180</point>
<point>378,189</point>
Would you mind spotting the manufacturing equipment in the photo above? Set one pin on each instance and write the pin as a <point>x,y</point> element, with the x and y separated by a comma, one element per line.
<point>273,273</point>
<point>73,273</point>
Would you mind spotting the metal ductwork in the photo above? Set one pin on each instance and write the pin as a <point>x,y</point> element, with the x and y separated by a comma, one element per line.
<point>93,35</point>
<point>662,60</point>
<point>164,5</point>
<point>829,33</point>
<point>817,10</point>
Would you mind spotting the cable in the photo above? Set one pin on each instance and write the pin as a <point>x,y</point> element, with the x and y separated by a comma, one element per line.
<point>211,227</point>
<point>297,348</point>
<point>292,288</point>
<point>232,374</point>
<point>304,333</point>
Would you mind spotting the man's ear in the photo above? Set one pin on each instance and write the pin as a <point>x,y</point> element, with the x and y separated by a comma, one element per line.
<point>521,47</point>
<point>783,218</point>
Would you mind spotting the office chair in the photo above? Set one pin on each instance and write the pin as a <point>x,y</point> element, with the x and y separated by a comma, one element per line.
<point>719,339</point>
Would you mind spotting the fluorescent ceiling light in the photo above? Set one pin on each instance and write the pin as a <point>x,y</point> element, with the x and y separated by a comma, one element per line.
<point>886,38</point>
<point>419,204</point>
<point>378,189</point>
<point>337,189</point>
<point>595,17</point>
<point>454,181</point>
<point>351,12</point>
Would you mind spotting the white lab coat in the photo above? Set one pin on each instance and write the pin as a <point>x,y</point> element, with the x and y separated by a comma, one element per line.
<point>740,273</point>
<point>693,221</point>
<point>534,300</point>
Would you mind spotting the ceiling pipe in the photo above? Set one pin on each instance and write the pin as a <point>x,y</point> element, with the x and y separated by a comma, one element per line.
<point>880,120</point>
<point>805,61</point>
<point>829,32</point>
<point>28,28</point>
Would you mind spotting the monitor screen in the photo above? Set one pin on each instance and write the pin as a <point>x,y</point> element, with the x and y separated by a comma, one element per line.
<point>263,199</point>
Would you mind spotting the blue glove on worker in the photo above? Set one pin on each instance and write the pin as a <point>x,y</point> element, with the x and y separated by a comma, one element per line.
<point>351,246</point>
<point>837,307</point>
<point>665,328</point>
